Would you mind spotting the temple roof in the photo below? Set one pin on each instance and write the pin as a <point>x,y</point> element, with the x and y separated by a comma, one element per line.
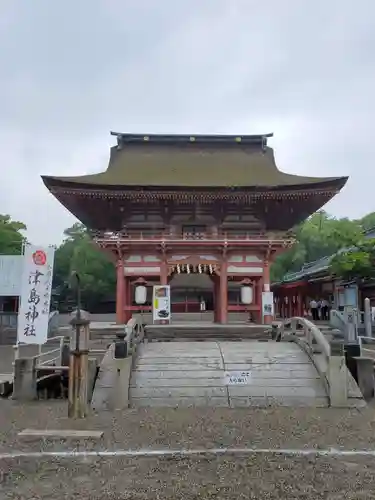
<point>193,161</point>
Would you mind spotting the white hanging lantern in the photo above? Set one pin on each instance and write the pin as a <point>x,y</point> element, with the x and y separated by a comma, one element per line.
<point>246,295</point>
<point>140,295</point>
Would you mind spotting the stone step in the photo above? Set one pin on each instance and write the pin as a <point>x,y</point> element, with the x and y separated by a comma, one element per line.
<point>207,332</point>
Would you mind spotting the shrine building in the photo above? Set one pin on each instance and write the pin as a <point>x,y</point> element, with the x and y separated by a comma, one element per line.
<point>206,214</point>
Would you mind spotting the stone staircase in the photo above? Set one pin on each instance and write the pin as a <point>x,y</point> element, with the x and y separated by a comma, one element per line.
<point>200,332</point>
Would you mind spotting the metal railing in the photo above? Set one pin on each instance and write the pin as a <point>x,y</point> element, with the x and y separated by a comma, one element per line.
<point>57,360</point>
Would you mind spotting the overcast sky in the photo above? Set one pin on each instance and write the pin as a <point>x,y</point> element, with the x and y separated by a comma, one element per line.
<point>72,71</point>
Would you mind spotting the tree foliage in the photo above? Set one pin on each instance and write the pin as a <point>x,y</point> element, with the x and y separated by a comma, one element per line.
<point>97,273</point>
<point>11,235</point>
<point>368,221</point>
<point>357,262</point>
<point>319,236</point>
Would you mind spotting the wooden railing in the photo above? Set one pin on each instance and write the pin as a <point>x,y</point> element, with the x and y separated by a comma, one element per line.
<point>187,236</point>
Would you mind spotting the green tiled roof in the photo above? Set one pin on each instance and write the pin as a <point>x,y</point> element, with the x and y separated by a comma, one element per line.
<point>193,165</point>
<point>309,269</point>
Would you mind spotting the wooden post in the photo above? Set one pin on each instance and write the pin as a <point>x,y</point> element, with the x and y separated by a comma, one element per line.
<point>78,367</point>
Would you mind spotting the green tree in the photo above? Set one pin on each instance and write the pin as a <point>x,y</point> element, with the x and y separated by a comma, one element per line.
<point>97,273</point>
<point>319,236</point>
<point>11,236</point>
<point>367,222</point>
<point>356,263</point>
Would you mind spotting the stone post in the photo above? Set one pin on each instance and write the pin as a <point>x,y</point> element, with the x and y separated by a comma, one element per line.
<point>120,400</point>
<point>365,376</point>
<point>25,379</point>
<point>367,318</point>
<point>337,376</point>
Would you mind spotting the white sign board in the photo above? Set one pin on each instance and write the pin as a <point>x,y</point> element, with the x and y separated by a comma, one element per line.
<point>11,267</point>
<point>33,314</point>
<point>237,378</point>
<point>161,303</point>
<point>267,304</point>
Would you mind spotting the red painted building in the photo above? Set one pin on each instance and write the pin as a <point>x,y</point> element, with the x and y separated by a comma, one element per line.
<point>212,211</point>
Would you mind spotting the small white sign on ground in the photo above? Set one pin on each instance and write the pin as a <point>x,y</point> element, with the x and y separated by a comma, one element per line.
<point>237,378</point>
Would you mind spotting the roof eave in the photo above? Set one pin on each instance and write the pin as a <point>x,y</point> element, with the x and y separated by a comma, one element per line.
<point>79,183</point>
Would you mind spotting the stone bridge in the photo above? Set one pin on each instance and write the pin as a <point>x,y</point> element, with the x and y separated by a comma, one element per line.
<point>226,366</point>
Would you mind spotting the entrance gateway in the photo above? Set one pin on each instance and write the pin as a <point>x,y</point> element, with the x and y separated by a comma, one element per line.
<point>204,214</point>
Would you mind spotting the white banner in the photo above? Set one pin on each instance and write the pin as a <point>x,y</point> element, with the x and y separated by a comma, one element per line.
<point>33,314</point>
<point>161,303</point>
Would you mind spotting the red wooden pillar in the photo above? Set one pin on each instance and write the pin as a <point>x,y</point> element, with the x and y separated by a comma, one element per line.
<point>259,290</point>
<point>163,273</point>
<point>223,293</point>
<point>128,299</point>
<point>268,318</point>
<point>291,307</point>
<point>216,294</point>
<point>120,293</point>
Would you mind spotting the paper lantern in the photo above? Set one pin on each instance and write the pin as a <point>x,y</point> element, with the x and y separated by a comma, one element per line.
<point>246,295</point>
<point>140,295</point>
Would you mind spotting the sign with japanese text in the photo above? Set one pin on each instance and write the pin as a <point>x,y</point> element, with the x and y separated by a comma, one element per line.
<point>237,378</point>
<point>161,303</point>
<point>33,314</point>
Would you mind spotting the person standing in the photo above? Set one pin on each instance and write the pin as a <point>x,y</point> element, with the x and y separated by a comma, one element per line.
<point>324,309</point>
<point>314,310</point>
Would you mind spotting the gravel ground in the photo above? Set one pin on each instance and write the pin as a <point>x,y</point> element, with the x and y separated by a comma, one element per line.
<point>174,428</point>
<point>256,476</point>
<point>205,477</point>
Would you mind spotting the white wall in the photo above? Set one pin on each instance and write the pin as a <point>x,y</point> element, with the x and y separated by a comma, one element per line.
<point>11,267</point>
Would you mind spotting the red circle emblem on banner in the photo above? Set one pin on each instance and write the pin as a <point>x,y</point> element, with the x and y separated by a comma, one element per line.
<point>39,258</point>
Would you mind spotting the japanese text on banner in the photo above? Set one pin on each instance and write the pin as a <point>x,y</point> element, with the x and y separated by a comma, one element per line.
<point>33,315</point>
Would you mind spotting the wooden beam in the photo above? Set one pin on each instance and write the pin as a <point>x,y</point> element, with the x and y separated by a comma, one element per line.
<point>60,434</point>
